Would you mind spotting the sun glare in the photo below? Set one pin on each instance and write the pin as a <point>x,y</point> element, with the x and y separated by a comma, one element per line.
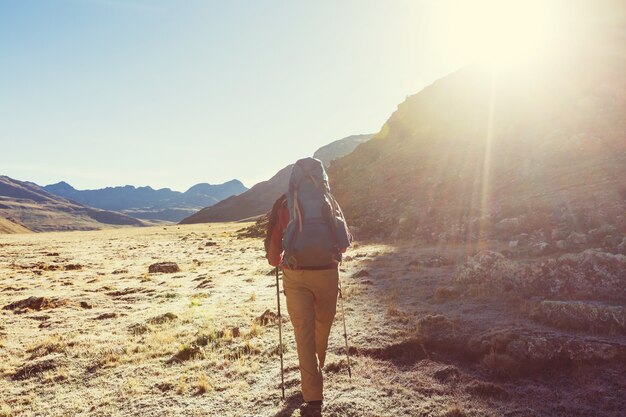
<point>500,32</point>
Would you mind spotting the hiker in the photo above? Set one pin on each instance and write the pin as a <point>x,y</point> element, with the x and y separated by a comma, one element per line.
<point>308,226</point>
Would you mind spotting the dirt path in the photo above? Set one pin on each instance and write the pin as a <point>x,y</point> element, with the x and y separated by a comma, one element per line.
<point>101,336</point>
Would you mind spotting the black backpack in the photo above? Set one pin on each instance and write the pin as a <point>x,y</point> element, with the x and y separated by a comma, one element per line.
<point>317,233</point>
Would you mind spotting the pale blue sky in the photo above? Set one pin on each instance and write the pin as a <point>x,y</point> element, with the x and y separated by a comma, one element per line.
<point>173,93</point>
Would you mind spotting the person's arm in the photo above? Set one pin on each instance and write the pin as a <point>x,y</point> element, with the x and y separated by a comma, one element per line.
<point>339,212</point>
<point>275,247</point>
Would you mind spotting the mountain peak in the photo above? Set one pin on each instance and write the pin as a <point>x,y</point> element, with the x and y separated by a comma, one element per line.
<point>233,186</point>
<point>59,186</point>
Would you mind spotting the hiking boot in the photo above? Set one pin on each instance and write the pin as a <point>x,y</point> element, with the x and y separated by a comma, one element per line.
<point>312,409</point>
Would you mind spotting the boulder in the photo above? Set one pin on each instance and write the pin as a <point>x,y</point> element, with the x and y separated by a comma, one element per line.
<point>35,304</point>
<point>621,248</point>
<point>266,318</point>
<point>540,248</point>
<point>164,267</point>
<point>583,316</point>
<point>508,226</point>
<point>577,239</point>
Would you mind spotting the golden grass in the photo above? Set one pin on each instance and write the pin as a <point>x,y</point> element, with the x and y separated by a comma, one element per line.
<point>203,384</point>
<point>5,410</point>
<point>111,365</point>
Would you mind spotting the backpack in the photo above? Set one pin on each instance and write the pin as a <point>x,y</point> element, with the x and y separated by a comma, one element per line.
<point>317,233</point>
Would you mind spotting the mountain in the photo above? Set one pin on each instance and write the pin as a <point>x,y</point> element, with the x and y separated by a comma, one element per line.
<point>260,198</point>
<point>251,203</point>
<point>148,203</point>
<point>7,227</point>
<point>537,156</point>
<point>27,205</point>
<point>339,148</point>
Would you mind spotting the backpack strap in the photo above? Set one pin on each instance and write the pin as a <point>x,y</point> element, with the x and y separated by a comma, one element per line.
<point>297,211</point>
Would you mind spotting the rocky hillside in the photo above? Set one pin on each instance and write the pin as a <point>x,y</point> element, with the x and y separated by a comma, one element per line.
<point>27,205</point>
<point>148,203</point>
<point>535,158</point>
<point>259,199</point>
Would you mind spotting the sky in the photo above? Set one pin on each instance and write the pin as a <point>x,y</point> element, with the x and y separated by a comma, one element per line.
<point>173,93</point>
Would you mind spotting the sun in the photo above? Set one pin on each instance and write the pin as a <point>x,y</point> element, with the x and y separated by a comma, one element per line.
<point>500,32</point>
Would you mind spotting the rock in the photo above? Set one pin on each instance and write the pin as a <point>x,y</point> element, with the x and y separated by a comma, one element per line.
<point>598,234</point>
<point>138,329</point>
<point>235,332</point>
<point>35,368</point>
<point>561,244</point>
<point>486,389</point>
<point>362,273</point>
<point>164,386</point>
<point>523,238</point>
<point>539,351</point>
<point>610,242</point>
<point>266,318</point>
<point>435,261</point>
<point>591,274</point>
<point>529,351</point>
<point>163,318</point>
<point>164,267</point>
<point>446,374</point>
<point>577,239</point>
<point>120,271</point>
<point>508,226</point>
<point>583,316</point>
<point>540,248</point>
<point>35,304</point>
<point>187,353</point>
<point>487,257</point>
<point>210,244</point>
<point>86,305</point>
<point>621,248</point>
<point>105,316</point>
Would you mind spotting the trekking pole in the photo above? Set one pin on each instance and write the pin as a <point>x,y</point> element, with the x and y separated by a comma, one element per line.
<point>345,332</point>
<point>280,337</point>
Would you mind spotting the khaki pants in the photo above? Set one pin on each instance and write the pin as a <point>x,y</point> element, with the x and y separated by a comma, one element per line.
<point>311,303</point>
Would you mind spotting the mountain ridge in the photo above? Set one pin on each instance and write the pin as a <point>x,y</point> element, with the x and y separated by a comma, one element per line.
<point>27,205</point>
<point>258,200</point>
<point>146,202</point>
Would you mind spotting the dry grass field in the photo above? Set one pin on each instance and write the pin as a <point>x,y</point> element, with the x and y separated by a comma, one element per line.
<point>85,329</point>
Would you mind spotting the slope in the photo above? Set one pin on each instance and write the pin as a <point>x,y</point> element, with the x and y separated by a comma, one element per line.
<point>9,227</point>
<point>38,210</point>
<point>528,156</point>
<point>259,199</point>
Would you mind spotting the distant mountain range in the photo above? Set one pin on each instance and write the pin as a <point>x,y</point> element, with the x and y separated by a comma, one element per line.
<point>148,203</point>
<point>26,206</point>
<point>259,199</point>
